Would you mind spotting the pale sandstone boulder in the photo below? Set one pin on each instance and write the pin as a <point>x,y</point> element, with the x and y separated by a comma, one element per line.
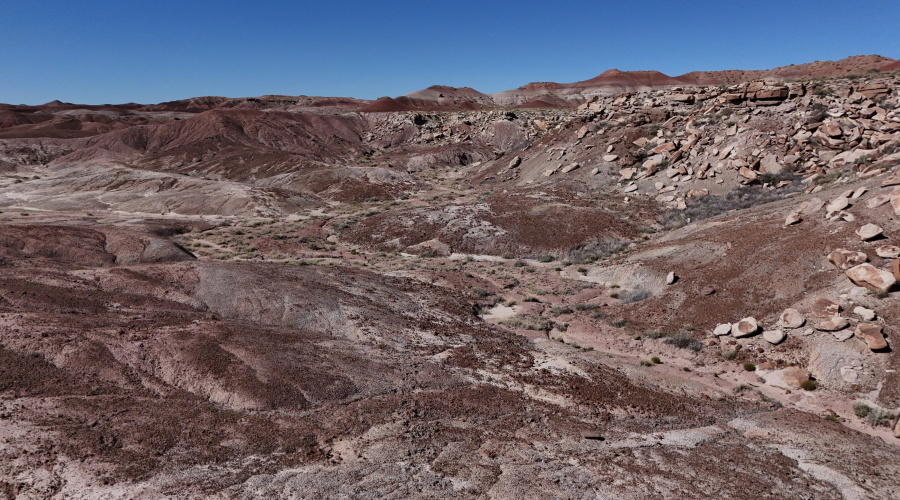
<point>788,378</point>
<point>722,329</point>
<point>869,276</point>
<point>868,232</point>
<point>888,251</point>
<point>791,318</point>
<point>744,328</point>
<point>835,323</point>
<point>774,337</point>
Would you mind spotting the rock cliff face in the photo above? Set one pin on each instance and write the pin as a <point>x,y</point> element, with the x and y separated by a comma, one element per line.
<point>634,286</point>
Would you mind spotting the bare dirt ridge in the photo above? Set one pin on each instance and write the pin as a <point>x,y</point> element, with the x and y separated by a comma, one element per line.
<point>628,287</point>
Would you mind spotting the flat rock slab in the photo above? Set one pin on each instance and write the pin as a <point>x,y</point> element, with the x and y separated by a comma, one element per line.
<point>832,325</point>
<point>869,276</point>
<point>872,334</point>
<point>888,251</point>
<point>824,308</point>
<point>845,259</point>
<point>787,378</point>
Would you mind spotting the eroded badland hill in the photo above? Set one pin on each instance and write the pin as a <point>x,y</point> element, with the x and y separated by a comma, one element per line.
<point>635,286</point>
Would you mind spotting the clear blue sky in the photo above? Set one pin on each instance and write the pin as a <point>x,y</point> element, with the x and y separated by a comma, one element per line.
<point>113,51</point>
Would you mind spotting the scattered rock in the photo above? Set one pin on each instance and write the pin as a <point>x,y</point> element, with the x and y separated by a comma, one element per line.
<point>824,308</point>
<point>774,336</point>
<point>610,158</point>
<point>868,232</point>
<point>888,251</point>
<point>839,203</point>
<point>895,204</point>
<point>872,334</point>
<point>877,201</point>
<point>869,276</point>
<point>787,378</point>
<point>842,335</point>
<point>671,278</point>
<point>832,325</point>
<point>722,329</point>
<point>845,259</point>
<point>864,313</point>
<point>811,206</point>
<point>744,328</point>
<point>792,218</point>
<point>708,290</point>
<point>570,167</point>
<point>791,318</point>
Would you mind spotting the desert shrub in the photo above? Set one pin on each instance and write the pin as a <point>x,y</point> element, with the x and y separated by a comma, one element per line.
<point>592,252</point>
<point>530,299</point>
<point>880,418</point>
<point>544,258</point>
<point>808,385</point>
<point>729,355</point>
<point>830,418</point>
<point>631,296</point>
<point>773,179</point>
<point>862,410</point>
<point>618,323</point>
<point>829,178</point>
<point>529,322</point>
<point>683,341</point>
<point>766,399</point>
<point>560,310</point>
<point>520,263</point>
<point>656,360</point>
<point>740,388</point>
<point>739,198</point>
<point>585,307</point>
<point>481,292</point>
<point>644,362</point>
<point>750,367</point>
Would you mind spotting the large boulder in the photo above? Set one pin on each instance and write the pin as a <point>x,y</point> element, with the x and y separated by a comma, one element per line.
<point>791,318</point>
<point>744,328</point>
<point>869,276</point>
<point>788,378</point>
